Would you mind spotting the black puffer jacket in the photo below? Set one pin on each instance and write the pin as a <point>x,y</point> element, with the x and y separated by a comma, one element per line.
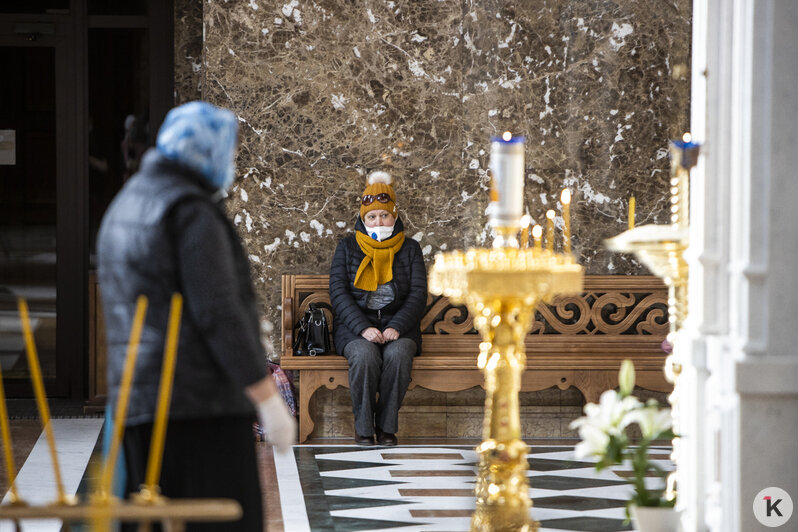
<point>162,234</point>
<point>351,316</point>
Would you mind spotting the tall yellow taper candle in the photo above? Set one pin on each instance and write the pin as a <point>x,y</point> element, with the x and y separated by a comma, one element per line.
<point>537,234</point>
<point>632,212</point>
<point>124,397</point>
<point>525,220</point>
<point>164,397</point>
<point>8,452</point>
<point>550,229</point>
<point>41,399</point>
<point>565,198</point>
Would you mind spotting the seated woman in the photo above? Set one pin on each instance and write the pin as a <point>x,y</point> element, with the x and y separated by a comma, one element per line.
<point>378,292</point>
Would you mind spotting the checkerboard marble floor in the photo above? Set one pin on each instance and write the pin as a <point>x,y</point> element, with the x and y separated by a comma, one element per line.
<point>430,488</point>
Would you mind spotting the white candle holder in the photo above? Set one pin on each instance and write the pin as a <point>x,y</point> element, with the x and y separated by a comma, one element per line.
<point>507,189</point>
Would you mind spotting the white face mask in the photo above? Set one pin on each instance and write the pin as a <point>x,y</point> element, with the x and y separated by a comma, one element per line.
<point>380,232</point>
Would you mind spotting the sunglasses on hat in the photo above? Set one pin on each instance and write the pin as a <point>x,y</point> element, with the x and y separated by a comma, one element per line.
<point>368,199</point>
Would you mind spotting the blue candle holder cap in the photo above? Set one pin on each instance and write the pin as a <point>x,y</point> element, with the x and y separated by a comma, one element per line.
<point>679,143</point>
<point>513,140</point>
<point>685,154</point>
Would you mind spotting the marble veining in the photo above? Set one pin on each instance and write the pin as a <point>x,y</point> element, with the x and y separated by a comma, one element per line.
<point>189,69</point>
<point>328,90</point>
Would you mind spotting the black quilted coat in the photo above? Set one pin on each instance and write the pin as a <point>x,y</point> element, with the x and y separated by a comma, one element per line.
<point>350,313</point>
<point>163,233</point>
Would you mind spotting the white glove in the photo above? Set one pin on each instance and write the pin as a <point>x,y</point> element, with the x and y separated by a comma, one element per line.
<point>278,423</point>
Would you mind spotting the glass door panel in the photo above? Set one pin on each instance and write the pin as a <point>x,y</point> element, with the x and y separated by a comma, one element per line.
<point>119,107</point>
<point>27,205</point>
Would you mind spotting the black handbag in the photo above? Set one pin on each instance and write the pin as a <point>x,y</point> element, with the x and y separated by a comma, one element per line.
<point>311,336</point>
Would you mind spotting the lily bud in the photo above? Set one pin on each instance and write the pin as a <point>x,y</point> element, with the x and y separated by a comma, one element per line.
<point>626,377</point>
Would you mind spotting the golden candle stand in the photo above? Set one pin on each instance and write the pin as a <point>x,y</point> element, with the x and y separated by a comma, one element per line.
<point>661,248</point>
<point>148,505</point>
<point>501,288</point>
<point>172,513</point>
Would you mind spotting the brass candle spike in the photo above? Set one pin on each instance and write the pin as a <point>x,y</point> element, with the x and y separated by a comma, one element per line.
<point>41,400</point>
<point>150,492</point>
<point>120,413</point>
<point>8,452</point>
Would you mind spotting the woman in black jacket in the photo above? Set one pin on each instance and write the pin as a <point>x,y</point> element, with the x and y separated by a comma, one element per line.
<point>378,292</point>
<point>165,232</point>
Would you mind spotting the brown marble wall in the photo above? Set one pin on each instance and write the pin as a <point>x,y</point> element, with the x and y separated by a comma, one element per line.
<point>326,89</point>
<point>189,71</point>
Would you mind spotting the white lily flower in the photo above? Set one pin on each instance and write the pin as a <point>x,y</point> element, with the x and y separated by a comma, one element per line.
<point>610,414</point>
<point>594,441</point>
<point>651,420</point>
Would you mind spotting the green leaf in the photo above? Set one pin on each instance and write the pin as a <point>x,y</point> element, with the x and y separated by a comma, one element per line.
<point>666,434</point>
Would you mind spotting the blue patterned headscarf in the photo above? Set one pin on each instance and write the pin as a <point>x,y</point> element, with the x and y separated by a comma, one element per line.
<point>202,137</point>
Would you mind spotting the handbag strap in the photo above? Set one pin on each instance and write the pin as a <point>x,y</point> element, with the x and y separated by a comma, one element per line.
<point>302,325</point>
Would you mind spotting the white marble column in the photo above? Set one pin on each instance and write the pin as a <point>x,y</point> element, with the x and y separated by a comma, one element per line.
<point>740,343</point>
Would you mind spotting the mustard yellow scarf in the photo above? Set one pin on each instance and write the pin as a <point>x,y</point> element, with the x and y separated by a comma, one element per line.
<point>377,266</point>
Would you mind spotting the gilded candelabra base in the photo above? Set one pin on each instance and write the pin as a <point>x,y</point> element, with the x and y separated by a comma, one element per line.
<point>501,288</point>
<point>661,248</point>
<point>502,488</point>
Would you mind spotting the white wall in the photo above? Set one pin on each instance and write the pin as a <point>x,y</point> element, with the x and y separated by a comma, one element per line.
<point>740,344</point>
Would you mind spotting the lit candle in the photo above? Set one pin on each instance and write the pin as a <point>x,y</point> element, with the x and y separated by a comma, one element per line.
<point>507,185</point>
<point>7,450</point>
<point>550,229</point>
<point>41,399</point>
<point>124,397</point>
<point>565,198</point>
<point>164,397</point>
<point>632,212</point>
<point>537,234</point>
<point>525,221</point>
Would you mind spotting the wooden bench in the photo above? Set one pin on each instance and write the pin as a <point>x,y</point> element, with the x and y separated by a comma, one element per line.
<point>576,341</point>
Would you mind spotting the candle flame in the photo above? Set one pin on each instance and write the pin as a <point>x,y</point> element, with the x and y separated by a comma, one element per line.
<point>566,196</point>
<point>687,137</point>
<point>507,136</point>
<point>550,214</point>
<point>525,221</point>
<point>537,231</point>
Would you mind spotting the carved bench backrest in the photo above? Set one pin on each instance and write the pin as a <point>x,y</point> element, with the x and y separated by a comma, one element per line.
<point>610,308</point>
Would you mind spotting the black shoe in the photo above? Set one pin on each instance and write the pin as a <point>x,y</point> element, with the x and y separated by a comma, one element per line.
<point>386,438</point>
<point>364,440</point>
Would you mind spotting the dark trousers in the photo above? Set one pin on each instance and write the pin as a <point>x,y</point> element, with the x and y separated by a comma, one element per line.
<point>206,458</point>
<point>382,369</point>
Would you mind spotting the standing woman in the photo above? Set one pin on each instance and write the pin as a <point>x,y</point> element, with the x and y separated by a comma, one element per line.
<point>378,292</point>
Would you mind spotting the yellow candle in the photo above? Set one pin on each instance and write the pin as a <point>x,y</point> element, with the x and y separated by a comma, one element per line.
<point>7,450</point>
<point>632,212</point>
<point>164,396</point>
<point>565,198</point>
<point>41,399</point>
<point>550,229</point>
<point>525,231</point>
<point>537,234</point>
<point>124,397</point>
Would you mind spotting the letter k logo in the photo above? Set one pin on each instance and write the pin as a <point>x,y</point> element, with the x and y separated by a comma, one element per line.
<point>772,506</point>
